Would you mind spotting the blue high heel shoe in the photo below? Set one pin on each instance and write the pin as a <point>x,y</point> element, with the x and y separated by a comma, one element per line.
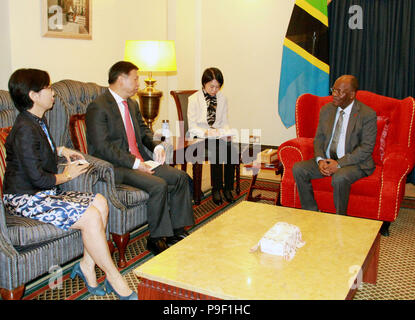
<point>98,290</point>
<point>109,288</point>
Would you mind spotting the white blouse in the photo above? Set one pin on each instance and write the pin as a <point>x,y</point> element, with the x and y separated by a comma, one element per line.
<point>197,114</point>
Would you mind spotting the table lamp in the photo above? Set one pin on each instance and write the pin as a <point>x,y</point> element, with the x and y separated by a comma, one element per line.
<point>151,56</point>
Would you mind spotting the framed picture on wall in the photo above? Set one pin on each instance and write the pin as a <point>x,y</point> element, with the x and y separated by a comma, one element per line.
<point>67,19</point>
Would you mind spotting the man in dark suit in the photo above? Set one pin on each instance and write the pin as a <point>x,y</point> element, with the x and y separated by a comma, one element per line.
<point>117,133</point>
<point>343,146</point>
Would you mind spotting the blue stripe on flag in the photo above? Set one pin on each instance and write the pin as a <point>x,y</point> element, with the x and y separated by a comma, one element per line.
<point>298,76</point>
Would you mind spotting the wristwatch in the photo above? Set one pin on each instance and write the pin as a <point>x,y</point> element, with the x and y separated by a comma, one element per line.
<point>67,176</point>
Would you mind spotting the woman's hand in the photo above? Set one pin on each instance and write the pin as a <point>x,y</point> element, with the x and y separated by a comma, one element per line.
<point>72,170</point>
<point>69,154</point>
<point>76,169</point>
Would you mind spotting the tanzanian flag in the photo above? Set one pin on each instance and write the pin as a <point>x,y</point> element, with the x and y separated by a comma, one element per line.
<point>305,57</point>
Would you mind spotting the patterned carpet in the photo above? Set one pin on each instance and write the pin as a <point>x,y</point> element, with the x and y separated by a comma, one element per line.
<point>396,277</point>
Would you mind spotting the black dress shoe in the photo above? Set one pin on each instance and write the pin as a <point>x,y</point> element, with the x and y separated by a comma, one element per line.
<point>216,197</point>
<point>156,245</point>
<point>179,234</point>
<point>228,196</point>
<point>172,240</point>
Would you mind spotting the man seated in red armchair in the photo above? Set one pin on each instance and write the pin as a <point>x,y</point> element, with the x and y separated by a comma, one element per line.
<point>343,146</point>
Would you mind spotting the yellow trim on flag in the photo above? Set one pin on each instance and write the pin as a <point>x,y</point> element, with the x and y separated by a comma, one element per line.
<point>313,11</point>
<point>310,58</point>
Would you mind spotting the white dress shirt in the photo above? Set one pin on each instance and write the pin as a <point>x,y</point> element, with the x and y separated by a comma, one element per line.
<point>342,137</point>
<point>121,107</point>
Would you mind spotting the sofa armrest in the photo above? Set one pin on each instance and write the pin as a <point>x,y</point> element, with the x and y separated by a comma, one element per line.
<point>82,183</point>
<point>397,162</point>
<point>104,173</point>
<point>8,254</point>
<point>295,150</point>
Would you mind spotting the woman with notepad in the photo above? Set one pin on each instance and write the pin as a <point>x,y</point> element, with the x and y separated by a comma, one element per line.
<point>208,118</point>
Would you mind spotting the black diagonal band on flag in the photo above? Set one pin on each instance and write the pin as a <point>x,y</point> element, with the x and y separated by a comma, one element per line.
<point>309,33</point>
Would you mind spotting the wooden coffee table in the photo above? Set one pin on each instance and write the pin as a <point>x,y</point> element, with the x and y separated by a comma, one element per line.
<point>215,261</point>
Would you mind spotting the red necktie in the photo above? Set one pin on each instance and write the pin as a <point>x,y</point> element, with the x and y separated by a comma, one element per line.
<point>132,142</point>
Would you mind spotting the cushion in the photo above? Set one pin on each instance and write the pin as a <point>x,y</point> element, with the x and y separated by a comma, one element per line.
<point>4,132</point>
<point>25,231</point>
<point>78,132</point>
<point>380,146</point>
<point>130,196</point>
<point>3,135</point>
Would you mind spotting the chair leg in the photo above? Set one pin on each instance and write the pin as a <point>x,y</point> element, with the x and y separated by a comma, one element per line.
<point>184,166</point>
<point>251,188</point>
<point>197,182</point>
<point>111,246</point>
<point>384,229</point>
<point>15,294</point>
<point>121,242</point>
<point>238,178</point>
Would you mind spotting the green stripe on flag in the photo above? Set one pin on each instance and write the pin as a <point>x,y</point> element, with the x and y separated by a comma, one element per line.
<point>320,5</point>
<point>314,11</point>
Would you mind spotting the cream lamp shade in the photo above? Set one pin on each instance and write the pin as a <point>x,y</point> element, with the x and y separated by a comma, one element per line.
<point>151,56</point>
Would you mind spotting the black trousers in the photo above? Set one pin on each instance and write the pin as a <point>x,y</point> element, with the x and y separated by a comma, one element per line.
<point>223,157</point>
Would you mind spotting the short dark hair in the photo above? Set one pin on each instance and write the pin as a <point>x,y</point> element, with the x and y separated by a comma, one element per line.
<point>22,81</point>
<point>212,74</point>
<point>121,67</point>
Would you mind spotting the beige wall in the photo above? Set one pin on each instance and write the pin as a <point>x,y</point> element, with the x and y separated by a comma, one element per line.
<point>245,41</point>
<point>5,58</point>
<point>241,37</point>
<point>113,22</point>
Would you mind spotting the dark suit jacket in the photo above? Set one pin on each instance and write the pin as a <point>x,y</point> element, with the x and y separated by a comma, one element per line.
<point>360,135</point>
<point>105,131</point>
<point>31,164</point>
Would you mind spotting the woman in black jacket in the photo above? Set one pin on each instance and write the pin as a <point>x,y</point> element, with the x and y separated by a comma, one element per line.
<point>31,182</point>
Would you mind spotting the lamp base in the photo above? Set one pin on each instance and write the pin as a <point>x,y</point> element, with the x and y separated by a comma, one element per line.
<point>149,102</point>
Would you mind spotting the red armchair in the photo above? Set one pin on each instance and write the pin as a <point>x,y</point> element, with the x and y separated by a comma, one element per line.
<point>377,196</point>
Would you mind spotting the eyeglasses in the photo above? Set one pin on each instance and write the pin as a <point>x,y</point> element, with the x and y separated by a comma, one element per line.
<point>337,91</point>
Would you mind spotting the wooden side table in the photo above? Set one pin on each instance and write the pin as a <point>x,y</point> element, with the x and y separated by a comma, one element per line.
<point>275,166</point>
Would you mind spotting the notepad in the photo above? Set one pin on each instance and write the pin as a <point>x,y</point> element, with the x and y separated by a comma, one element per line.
<point>152,164</point>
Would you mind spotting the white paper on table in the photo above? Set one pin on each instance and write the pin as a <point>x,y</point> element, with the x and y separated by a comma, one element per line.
<point>223,133</point>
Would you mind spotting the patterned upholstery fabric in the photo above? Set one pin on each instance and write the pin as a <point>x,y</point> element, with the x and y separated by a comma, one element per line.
<point>130,196</point>
<point>24,232</point>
